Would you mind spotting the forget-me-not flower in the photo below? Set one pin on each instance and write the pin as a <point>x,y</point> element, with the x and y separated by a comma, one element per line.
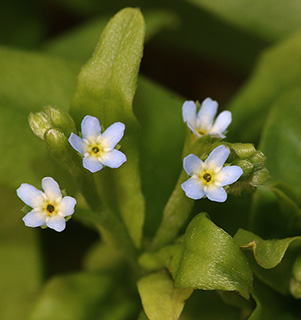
<point>49,208</point>
<point>98,148</point>
<point>208,178</point>
<point>202,122</point>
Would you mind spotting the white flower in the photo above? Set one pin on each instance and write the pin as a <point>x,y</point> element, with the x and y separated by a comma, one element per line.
<point>49,207</point>
<point>201,123</point>
<point>98,148</point>
<point>208,178</point>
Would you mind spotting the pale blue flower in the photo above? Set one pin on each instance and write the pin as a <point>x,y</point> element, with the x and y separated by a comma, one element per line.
<point>98,148</point>
<point>49,208</point>
<point>202,122</point>
<point>208,178</point>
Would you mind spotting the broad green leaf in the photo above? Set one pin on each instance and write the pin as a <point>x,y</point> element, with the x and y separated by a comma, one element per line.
<point>161,140</point>
<point>212,260</point>
<point>277,255</point>
<point>282,19</point>
<point>105,89</point>
<point>66,45</point>
<point>74,296</point>
<point>268,253</point>
<point>160,299</point>
<point>280,140</point>
<point>276,74</point>
<point>20,260</point>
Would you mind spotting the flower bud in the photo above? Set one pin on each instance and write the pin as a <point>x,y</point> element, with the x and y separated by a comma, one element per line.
<point>243,150</point>
<point>51,118</point>
<point>260,177</point>
<point>39,123</point>
<point>258,159</point>
<point>58,145</point>
<point>246,166</point>
<point>60,119</point>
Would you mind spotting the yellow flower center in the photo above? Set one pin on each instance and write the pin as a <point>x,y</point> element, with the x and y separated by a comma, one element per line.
<point>95,150</point>
<point>207,177</point>
<point>50,208</point>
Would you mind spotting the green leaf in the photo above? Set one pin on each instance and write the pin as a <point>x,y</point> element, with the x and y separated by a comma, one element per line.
<point>276,74</point>
<point>277,255</point>
<point>160,299</point>
<point>282,20</point>
<point>161,140</point>
<point>73,296</point>
<point>280,140</point>
<point>20,260</point>
<point>105,89</point>
<point>87,34</point>
<point>267,253</point>
<point>211,260</point>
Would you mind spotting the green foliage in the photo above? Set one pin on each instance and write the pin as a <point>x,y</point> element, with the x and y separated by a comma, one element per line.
<point>160,299</point>
<point>105,89</point>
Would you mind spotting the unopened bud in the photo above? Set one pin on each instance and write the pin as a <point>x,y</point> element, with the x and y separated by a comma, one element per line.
<point>247,168</point>
<point>61,120</point>
<point>58,145</point>
<point>260,177</point>
<point>243,150</point>
<point>39,123</point>
<point>258,159</point>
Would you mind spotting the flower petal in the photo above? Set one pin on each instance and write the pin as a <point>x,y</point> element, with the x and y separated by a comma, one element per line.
<point>66,206</point>
<point>113,134</point>
<point>229,175</point>
<point>51,188</point>
<point>56,223</point>
<point>192,128</point>
<point>77,143</point>
<point>90,127</point>
<point>113,158</point>
<point>191,164</point>
<point>92,164</point>
<point>222,122</point>
<point>206,114</point>
<point>193,189</point>
<point>34,219</point>
<point>217,158</point>
<point>30,195</point>
<point>189,112</point>
<point>215,193</point>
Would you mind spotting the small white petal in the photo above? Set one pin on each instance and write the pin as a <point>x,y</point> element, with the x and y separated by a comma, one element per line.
<point>191,164</point>
<point>90,127</point>
<point>113,158</point>
<point>51,188</point>
<point>92,164</point>
<point>215,193</point>
<point>222,122</point>
<point>207,113</point>
<point>66,206</point>
<point>113,134</point>
<point>217,158</point>
<point>77,143</point>
<point>189,112</point>
<point>34,219</point>
<point>30,195</point>
<point>193,189</point>
<point>192,128</point>
<point>56,223</point>
<point>229,175</point>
